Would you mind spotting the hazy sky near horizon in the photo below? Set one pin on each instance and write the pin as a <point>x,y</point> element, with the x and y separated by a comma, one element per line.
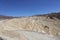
<point>28,7</point>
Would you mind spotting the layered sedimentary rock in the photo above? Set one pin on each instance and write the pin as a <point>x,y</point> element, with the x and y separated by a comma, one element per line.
<point>48,24</point>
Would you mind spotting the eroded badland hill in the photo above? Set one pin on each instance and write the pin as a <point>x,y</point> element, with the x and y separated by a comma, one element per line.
<point>25,27</point>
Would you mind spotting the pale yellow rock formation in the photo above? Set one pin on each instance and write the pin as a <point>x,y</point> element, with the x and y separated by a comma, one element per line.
<point>37,24</point>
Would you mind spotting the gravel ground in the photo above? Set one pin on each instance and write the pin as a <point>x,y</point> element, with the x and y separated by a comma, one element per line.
<point>27,35</point>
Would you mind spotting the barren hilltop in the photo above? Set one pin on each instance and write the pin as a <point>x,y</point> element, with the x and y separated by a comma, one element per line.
<point>46,24</point>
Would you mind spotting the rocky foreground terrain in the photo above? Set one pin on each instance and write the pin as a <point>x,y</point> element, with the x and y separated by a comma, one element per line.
<point>36,27</point>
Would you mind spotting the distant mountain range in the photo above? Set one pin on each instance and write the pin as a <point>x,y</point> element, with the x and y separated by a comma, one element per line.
<point>51,15</point>
<point>2,17</point>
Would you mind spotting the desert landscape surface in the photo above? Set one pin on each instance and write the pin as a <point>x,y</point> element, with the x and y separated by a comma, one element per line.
<point>36,27</point>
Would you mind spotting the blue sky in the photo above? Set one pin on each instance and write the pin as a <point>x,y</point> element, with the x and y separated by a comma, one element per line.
<point>28,7</point>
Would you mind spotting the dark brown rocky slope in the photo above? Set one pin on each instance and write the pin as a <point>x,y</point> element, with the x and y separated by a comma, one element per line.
<point>51,15</point>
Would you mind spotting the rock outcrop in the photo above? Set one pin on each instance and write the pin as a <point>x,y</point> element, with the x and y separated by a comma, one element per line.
<point>48,24</point>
